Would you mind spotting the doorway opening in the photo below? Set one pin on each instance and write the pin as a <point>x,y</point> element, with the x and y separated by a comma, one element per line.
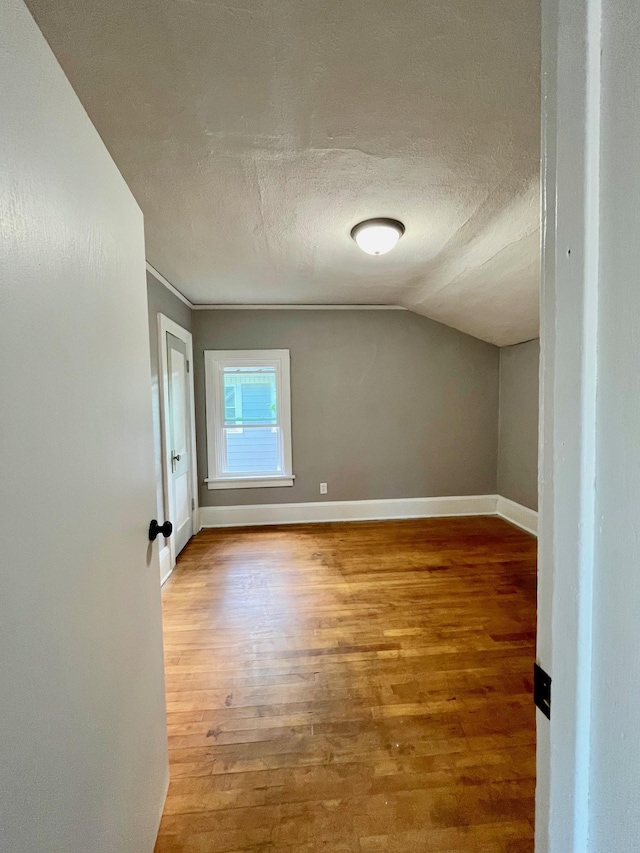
<point>177,430</point>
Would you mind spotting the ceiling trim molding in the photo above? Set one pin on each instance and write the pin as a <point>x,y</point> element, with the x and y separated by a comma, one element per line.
<point>204,306</point>
<point>154,272</point>
<point>294,307</point>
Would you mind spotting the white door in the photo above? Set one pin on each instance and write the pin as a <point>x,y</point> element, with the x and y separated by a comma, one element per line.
<point>179,440</point>
<point>83,748</point>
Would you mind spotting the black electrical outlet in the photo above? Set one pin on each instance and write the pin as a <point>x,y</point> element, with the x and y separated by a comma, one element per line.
<point>542,690</point>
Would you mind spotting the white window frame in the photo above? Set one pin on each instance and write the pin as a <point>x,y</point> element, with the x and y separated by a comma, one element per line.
<point>215,362</point>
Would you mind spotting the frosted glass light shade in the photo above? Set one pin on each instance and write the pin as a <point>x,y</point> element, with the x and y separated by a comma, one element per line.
<point>377,236</point>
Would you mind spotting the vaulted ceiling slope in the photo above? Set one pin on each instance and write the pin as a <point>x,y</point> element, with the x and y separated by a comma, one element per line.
<point>255,133</point>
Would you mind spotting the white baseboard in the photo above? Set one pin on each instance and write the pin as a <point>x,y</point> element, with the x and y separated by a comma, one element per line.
<point>254,515</point>
<point>517,514</point>
<point>260,514</point>
<point>165,563</point>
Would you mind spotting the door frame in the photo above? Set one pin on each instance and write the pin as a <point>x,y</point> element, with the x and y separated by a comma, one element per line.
<point>165,324</point>
<point>571,95</point>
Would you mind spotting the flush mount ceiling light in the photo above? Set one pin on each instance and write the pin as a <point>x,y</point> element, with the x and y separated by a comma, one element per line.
<point>377,236</point>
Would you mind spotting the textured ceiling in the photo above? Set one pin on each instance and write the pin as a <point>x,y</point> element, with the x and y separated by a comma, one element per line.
<point>255,133</point>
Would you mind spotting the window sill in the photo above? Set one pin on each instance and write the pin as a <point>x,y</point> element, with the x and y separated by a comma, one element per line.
<point>250,482</point>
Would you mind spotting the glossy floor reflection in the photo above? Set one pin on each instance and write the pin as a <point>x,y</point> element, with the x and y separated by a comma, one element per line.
<point>352,687</point>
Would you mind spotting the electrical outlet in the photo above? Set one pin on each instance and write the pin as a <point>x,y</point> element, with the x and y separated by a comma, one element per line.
<point>323,488</point>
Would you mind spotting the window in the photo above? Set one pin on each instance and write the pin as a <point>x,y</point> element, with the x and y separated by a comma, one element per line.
<point>248,418</point>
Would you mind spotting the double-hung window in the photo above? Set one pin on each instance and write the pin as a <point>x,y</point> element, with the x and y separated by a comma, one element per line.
<point>248,418</point>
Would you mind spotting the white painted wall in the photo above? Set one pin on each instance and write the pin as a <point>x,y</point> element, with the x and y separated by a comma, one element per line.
<point>588,797</point>
<point>615,739</point>
<point>568,341</point>
<point>83,761</point>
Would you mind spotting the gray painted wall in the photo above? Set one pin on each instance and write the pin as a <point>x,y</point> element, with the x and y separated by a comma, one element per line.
<point>518,437</point>
<point>386,404</point>
<point>160,300</point>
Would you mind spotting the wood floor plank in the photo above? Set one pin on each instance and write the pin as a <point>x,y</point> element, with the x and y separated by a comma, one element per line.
<point>352,687</point>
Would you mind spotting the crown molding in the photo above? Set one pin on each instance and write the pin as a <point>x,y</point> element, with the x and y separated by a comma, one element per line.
<point>294,307</point>
<point>158,275</point>
<point>245,307</point>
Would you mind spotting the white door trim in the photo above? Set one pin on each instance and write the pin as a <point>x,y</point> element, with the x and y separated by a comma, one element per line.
<point>166,325</point>
<point>165,563</point>
<point>571,58</point>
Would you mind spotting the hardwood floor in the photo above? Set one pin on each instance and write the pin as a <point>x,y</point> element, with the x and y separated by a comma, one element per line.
<point>352,687</point>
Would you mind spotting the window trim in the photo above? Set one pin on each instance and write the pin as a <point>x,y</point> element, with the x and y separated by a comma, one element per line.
<point>214,363</point>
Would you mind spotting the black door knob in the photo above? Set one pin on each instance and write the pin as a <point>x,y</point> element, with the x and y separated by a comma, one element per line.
<point>156,529</point>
